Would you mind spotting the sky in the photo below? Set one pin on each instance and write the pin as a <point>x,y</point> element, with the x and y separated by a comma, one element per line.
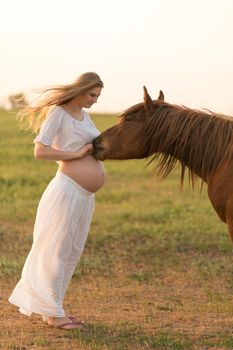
<point>182,47</point>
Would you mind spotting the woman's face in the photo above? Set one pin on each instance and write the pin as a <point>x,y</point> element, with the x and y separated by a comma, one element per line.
<point>89,98</point>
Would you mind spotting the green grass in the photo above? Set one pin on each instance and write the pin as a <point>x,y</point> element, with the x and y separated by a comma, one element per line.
<point>157,268</point>
<point>126,335</point>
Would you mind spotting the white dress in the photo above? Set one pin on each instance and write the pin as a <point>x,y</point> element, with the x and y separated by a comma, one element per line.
<point>62,223</point>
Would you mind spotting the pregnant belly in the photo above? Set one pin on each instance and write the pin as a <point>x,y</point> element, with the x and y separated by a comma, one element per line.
<point>87,172</point>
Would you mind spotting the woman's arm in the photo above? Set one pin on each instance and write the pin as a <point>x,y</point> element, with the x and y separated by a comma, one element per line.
<point>48,153</point>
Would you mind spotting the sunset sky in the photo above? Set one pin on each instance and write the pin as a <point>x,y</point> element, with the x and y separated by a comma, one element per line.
<point>184,47</point>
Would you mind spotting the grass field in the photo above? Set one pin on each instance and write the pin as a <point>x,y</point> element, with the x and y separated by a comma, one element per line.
<point>157,268</point>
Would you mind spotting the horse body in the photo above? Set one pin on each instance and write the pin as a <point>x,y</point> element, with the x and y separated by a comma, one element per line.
<point>201,141</point>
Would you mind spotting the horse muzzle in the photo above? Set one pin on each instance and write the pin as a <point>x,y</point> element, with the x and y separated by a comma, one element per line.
<point>98,149</point>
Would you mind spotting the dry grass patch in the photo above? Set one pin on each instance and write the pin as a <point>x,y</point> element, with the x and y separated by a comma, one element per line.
<point>121,312</point>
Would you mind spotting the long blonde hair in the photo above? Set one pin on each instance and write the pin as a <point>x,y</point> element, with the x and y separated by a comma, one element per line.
<point>31,117</point>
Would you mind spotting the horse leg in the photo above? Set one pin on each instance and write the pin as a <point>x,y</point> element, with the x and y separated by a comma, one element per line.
<point>225,213</point>
<point>218,203</point>
<point>220,191</point>
<point>230,228</point>
<point>219,198</point>
<point>224,208</point>
<point>229,217</point>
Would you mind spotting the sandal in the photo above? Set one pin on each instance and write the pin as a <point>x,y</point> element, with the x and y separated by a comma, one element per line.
<point>66,326</point>
<point>72,318</point>
<point>75,320</point>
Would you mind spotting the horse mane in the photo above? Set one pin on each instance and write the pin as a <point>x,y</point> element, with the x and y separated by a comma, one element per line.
<point>199,140</point>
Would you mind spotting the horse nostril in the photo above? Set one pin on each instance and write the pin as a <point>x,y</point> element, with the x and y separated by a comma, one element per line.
<point>95,142</point>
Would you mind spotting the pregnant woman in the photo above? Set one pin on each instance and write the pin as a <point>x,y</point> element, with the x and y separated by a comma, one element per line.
<point>65,210</point>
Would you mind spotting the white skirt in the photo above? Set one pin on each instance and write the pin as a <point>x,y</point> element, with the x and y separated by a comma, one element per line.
<point>62,223</point>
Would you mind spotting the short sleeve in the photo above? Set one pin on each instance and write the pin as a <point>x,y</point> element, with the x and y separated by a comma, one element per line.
<point>49,128</point>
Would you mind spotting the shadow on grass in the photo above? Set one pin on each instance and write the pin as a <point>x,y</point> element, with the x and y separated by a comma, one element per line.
<point>127,336</point>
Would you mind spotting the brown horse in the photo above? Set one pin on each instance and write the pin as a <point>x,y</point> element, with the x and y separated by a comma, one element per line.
<point>201,141</point>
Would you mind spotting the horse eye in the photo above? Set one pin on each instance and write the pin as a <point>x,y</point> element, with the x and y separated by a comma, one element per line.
<point>128,118</point>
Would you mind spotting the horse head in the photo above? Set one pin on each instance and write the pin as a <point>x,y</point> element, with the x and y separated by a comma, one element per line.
<point>125,140</point>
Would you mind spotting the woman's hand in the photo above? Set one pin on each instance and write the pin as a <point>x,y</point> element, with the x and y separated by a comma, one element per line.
<point>85,150</point>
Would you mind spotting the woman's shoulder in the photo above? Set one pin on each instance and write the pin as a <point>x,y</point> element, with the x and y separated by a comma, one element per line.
<point>55,111</point>
<point>55,114</point>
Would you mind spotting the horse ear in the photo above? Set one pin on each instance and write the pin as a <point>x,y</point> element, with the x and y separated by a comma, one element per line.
<point>148,103</point>
<point>161,96</point>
